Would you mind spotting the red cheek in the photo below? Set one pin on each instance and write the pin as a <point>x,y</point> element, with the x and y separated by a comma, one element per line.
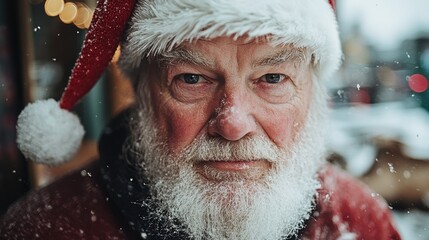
<point>281,132</point>
<point>183,127</point>
<point>284,127</point>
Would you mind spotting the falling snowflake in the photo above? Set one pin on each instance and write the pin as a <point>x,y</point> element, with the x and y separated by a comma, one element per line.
<point>391,168</point>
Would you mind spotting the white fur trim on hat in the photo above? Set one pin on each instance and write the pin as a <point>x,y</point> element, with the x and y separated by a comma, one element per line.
<point>159,25</point>
<point>48,134</point>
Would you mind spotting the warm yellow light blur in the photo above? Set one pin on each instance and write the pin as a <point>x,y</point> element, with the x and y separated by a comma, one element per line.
<point>83,14</point>
<point>116,55</point>
<point>69,13</point>
<point>88,22</point>
<point>54,7</point>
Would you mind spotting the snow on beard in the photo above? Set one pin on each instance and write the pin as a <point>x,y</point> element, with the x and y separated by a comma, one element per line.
<point>275,205</point>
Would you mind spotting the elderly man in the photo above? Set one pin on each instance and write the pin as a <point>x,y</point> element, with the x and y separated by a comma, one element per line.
<point>226,140</point>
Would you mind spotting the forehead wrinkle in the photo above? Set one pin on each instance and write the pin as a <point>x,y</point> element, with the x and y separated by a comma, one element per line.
<point>294,55</point>
<point>183,55</point>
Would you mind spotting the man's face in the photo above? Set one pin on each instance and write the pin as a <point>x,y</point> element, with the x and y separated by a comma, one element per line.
<point>229,137</point>
<point>231,90</point>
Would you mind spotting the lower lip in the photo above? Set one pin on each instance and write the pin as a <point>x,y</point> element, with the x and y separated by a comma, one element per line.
<point>236,166</point>
<point>219,171</point>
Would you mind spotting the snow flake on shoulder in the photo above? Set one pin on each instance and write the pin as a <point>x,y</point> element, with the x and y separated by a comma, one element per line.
<point>347,209</point>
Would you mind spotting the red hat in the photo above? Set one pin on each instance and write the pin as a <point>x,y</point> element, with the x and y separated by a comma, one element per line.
<point>47,132</point>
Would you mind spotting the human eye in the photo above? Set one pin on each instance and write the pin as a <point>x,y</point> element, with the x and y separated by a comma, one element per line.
<point>190,78</point>
<point>274,87</point>
<point>191,87</point>
<point>273,78</point>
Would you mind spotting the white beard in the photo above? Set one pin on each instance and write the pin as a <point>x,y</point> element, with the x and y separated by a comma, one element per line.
<point>275,206</point>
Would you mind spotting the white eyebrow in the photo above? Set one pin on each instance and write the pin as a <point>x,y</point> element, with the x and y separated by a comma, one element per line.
<point>294,55</point>
<point>183,55</point>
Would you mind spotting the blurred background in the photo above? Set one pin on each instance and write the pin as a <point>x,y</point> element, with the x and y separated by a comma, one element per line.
<point>380,98</point>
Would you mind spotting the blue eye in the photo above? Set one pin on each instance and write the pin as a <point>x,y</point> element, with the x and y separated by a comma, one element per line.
<point>273,77</point>
<point>191,78</point>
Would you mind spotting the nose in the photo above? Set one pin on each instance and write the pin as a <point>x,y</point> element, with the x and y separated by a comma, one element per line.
<point>233,119</point>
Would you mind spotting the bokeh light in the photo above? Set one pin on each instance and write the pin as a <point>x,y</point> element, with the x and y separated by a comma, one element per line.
<point>83,16</point>
<point>418,83</point>
<point>116,55</point>
<point>69,13</point>
<point>54,7</point>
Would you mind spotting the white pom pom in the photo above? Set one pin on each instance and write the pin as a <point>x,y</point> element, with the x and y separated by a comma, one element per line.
<point>48,134</point>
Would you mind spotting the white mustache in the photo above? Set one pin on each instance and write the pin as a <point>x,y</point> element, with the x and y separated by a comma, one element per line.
<point>208,148</point>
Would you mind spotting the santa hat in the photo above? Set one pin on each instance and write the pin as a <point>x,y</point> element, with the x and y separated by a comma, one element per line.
<point>47,132</point>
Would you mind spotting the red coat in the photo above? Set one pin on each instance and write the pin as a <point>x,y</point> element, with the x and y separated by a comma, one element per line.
<point>346,209</point>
